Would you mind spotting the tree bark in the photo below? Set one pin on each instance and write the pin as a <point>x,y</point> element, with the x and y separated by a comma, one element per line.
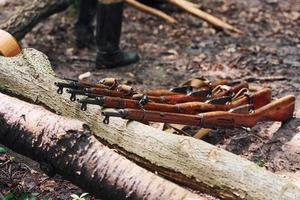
<point>186,160</point>
<point>67,147</point>
<point>31,14</point>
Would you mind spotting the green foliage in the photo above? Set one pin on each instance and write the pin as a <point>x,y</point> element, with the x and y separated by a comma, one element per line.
<point>3,150</point>
<point>9,196</point>
<point>260,163</point>
<point>81,197</point>
<point>73,9</point>
<point>12,195</point>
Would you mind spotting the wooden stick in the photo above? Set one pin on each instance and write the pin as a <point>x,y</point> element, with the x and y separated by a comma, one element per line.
<point>30,14</point>
<point>152,11</point>
<point>201,133</point>
<point>191,4</point>
<point>205,16</point>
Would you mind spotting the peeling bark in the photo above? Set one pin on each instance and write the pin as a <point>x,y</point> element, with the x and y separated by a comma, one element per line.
<point>67,147</point>
<point>182,159</point>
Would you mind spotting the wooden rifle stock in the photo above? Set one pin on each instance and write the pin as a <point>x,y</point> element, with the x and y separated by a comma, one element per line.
<point>278,110</point>
<point>258,99</point>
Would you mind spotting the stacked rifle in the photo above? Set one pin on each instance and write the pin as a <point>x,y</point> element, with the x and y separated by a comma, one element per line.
<point>197,102</point>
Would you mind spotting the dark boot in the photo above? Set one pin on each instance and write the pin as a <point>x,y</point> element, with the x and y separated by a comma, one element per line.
<point>83,27</point>
<point>108,33</point>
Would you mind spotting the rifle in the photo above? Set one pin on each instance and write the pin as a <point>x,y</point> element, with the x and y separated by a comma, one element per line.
<point>104,92</point>
<point>114,84</point>
<point>201,95</point>
<point>154,94</point>
<point>107,84</point>
<point>224,103</point>
<point>279,110</point>
<point>77,85</point>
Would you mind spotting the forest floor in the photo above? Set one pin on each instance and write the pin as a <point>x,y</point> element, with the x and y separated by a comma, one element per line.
<point>173,53</point>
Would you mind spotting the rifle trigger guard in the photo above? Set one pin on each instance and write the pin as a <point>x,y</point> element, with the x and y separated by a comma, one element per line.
<point>73,97</point>
<point>60,90</point>
<point>106,120</point>
<point>83,107</point>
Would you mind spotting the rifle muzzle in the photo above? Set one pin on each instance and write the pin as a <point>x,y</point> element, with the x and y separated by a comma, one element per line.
<point>62,85</point>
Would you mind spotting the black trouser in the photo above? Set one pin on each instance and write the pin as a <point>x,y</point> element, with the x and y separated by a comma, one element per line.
<point>108,31</point>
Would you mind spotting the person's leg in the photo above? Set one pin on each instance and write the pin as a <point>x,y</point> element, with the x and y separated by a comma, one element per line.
<point>108,33</point>
<point>83,26</point>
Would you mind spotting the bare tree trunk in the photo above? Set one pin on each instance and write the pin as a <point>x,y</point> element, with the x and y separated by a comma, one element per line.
<point>31,14</point>
<point>67,147</point>
<point>182,159</point>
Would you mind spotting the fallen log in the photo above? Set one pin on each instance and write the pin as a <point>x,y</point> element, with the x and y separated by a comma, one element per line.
<point>185,160</point>
<point>66,146</point>
<point>31,14</point>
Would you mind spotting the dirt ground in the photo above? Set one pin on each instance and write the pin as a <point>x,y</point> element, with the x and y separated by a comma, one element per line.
<point>173,53</point>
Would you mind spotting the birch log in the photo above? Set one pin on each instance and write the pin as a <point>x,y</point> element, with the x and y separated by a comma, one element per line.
<point>67,147</point>
<point>181,159</point>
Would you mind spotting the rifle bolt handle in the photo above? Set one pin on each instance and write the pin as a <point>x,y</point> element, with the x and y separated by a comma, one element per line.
<point>60,90</point>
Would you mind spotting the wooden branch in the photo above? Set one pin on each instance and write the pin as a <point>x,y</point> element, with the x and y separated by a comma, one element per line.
<point>66,146</point>
<point>185,160</point>
<point>190,4</point>
<point>31,14</point>
<point>151,11</point>
<point>203,15</point>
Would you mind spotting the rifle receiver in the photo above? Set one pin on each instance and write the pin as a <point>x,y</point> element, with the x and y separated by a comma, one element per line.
<point>118,113</point>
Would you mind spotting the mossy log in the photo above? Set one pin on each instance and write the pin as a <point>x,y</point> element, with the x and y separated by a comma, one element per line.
<point>182,159</point>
